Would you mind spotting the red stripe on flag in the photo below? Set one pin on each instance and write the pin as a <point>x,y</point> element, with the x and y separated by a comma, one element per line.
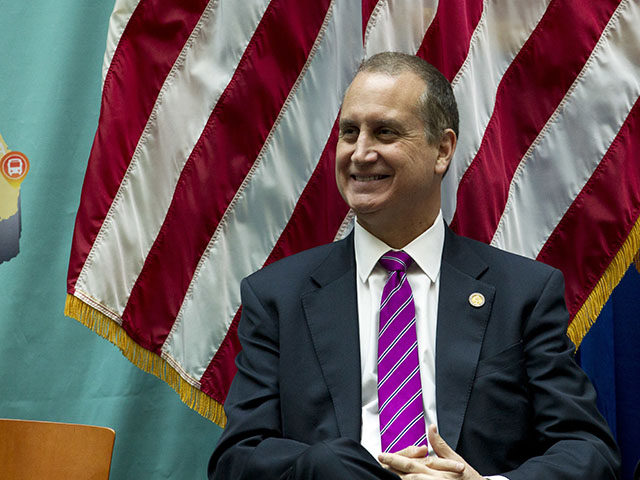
<point>219,374</point>
<point>222,157</point>
<point>315,221</point>
<point>532,87</point>
<point>598,222</point>
<point>368,6</point>
<point>446,43</point>
<point>148,48</point>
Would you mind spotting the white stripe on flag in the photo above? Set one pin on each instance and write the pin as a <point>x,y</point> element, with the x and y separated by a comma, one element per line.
<point>503,29</point>
<point>264,203</point>
<point>188,95</point>
<point>576,137</point>
<point>122,12</point>
<point>400,26</point>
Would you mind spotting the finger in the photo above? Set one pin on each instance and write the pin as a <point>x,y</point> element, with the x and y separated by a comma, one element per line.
<point>402,464</point>
<point>445,465</point>
<point>440,447</point>
<point>414,451</point>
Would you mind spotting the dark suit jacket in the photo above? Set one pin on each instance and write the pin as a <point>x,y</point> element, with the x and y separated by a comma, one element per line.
<point>509,396</point>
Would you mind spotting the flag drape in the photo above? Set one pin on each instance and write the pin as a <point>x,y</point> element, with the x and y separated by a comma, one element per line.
<point>215,146</point>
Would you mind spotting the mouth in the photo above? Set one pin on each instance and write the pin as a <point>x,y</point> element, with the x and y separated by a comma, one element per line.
<point>368,178</point>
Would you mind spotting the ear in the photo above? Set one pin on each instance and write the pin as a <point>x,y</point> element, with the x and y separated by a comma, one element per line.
<point>446,147</point>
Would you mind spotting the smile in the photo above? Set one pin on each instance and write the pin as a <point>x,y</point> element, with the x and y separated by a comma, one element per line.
<point>368,178</point>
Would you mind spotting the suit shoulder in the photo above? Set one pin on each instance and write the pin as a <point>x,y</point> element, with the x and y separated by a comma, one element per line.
<point>297,266</point>
<point>507,261</point>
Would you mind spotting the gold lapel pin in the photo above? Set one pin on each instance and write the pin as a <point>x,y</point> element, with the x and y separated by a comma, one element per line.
<point>476,299</point>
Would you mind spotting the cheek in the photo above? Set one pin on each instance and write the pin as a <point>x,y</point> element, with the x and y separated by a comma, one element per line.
<point>340,170</point>
<point>342,164</point>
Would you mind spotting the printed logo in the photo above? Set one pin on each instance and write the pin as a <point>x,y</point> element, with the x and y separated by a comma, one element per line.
<point>14,167</point>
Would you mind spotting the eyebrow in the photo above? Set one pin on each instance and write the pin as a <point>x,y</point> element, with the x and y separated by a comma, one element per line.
<point>389,122</point>
<point>381,122</point>
<point>345,122</point>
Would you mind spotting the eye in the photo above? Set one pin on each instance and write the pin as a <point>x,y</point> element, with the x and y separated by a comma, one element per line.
<point>386,133</point>
<point>348,132</point>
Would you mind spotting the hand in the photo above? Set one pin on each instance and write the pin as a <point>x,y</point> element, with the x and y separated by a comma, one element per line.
<point>412,463</point>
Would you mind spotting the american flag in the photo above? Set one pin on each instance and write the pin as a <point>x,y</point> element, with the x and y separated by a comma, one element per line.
<point>214,155</point>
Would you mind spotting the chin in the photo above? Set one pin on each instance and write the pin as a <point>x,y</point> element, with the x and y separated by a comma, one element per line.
<point>364,209</point>
<point>363,206</point>
<point>367,216</point>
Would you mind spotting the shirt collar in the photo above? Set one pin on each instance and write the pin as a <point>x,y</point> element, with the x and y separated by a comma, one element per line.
<point>425,250</point>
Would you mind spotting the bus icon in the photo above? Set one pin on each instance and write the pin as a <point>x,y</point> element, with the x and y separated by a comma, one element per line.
<point>14,166</point>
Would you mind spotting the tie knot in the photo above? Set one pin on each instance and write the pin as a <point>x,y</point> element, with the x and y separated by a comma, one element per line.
<point>395,261</point>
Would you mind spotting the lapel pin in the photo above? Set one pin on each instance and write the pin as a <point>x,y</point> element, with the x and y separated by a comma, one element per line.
<point>476,299</point>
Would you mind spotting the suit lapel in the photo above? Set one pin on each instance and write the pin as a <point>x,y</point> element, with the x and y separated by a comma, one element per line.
<point>460,332</point>
<point>332,316</point>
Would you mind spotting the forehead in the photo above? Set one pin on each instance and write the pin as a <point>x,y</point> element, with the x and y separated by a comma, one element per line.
<point>375,92</point>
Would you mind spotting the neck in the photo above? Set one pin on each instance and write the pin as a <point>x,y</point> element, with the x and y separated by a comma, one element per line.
<point>398,234</point>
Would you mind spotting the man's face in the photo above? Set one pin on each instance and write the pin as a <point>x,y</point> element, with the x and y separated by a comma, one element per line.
<point>385,168</point>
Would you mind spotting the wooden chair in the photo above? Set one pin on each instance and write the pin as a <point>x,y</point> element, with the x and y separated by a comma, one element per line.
<point>53,451</point>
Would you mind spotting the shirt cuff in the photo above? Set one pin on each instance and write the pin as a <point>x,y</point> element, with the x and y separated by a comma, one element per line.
<point>496,477</point>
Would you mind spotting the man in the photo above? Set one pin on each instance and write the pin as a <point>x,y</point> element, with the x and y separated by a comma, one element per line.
<point>476,336</point>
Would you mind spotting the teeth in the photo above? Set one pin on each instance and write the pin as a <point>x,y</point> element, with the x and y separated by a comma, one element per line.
<point>369,178</point>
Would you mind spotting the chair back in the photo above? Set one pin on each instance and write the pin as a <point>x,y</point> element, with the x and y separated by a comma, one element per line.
<point>37,450</point>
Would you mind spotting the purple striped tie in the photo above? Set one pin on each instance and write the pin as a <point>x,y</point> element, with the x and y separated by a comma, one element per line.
<point>399,387</point>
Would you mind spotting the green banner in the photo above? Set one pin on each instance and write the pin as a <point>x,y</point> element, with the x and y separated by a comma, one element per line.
<point>51,367</point>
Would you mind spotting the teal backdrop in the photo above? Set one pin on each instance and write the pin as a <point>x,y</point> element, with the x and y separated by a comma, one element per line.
<point>52,367</point>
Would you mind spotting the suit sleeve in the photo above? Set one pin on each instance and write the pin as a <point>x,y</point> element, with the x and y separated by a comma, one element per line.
<point>252,445</point>
<point>572,439</point>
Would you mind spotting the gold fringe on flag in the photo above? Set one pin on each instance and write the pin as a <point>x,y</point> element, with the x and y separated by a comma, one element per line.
<point>590,310</point>
<point>144,359</point>
<point>212,410</point>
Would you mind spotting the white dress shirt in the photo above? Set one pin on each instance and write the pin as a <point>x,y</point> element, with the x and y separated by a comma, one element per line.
<point>424,277</point>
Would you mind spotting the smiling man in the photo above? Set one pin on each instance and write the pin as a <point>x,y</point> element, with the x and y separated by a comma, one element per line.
<point>354,352</point>
<point>388,165</point>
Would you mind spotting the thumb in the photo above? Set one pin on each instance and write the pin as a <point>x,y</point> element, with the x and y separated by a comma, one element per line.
<point>414,451</point>
<point>440,447</point>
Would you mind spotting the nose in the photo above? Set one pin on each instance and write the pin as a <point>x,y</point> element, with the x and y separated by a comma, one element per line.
<point>364,150</point>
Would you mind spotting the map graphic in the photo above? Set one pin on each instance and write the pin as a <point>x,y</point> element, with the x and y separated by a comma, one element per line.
<point>14,166</point>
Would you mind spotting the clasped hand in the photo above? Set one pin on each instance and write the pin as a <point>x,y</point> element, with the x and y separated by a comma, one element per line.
<point>413,463</point>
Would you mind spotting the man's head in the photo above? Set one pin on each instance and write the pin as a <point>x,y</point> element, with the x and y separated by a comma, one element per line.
<point>398,129</point>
